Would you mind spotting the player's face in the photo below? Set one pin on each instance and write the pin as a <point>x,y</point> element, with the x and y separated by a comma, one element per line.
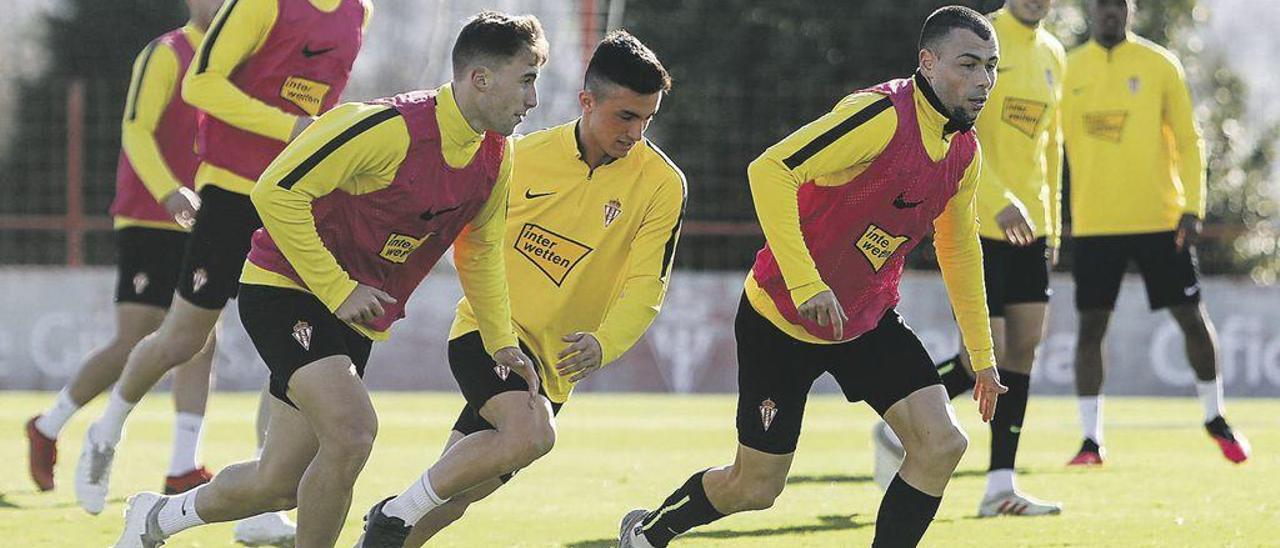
<point>202,11</point>
<point>1030,12</point>
<point>616,117</point>
<point>1110,18</point>
<point>508,92</point>
<point>962,72</point>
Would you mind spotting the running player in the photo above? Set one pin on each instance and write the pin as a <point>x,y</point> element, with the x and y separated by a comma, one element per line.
<point>260,74</point>
<point>153,209</point>
<point>1019,225</point>
<point>594,218</point>
<point>356,212</point>
<point>1137,194</point>
<point>842,201</point>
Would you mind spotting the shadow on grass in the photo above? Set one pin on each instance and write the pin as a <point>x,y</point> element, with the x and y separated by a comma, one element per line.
<point>864,478</point>
<point>5,502</point>
<point>825,523</point>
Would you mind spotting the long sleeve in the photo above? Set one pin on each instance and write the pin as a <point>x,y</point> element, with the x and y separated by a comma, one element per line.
<point>852,134</point>
<point>648,272</point>
<point>960,258</point>
<point>373,143</point>
<point>1179,116</point>
<point>993,190</point>
<point>478,257</point>
<point>238,31</point>
<point>155,78</point>
<point>1053,172</point>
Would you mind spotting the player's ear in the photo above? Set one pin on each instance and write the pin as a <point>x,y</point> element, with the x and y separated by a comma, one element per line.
<point>481,77</point>
<point>587,101</point>
<point>927,60</point>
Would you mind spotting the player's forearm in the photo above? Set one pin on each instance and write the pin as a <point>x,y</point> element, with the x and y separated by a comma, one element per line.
<point>774,191</point>
<point>214,94</point>
<point>630,316</point>
<point>1053,173</point>
<point>286,216</point>
<point>143,152</point>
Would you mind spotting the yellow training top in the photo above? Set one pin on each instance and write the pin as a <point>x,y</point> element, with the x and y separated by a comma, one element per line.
<point>155,80</point>
<point>775,186</point>
<point>1020,131</point>
<point>587,250</point>
<point>1132,142</point>
<point>367,162</point>
<point>243,33</point>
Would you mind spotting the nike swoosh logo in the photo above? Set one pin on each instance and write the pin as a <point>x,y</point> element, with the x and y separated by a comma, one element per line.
<point>428,215</point>
<point>901,202</point>
<point>309,53</point>
<point>529,195</point>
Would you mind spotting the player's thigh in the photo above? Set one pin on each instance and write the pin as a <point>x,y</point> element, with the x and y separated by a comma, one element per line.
<point>135,321</point>
<point>884,365</point>
<point>497,398</point>
<point>775,373</point>
<point>289,447</point>
<point>1099,265</point>
<point>1171,275</point>
<point>216,250</point>
<point>331,396</point>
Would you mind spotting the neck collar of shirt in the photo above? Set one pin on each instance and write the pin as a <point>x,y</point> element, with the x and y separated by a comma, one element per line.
<point>194,34</point>
<point>573,144</point>
<point>1012,28</point>
<point>936,114</point>
<point>453,125</point>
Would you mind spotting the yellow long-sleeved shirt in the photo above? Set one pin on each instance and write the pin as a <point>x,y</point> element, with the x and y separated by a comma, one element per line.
<point>1135,151</point>
<point>586,250</point>
<point>1020,131</point>
<point>367,162</point>
<point>775,186</point>
<point>155,79</point>
<point>241,27</point>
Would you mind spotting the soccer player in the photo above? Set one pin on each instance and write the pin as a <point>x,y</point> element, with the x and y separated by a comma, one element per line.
<point>260,74</point>
<point>1137,194</point>
<point>356,212</point>
<point>592,227</point>
<point>154,208</point>
<point>1019,226</point>
<point>842,201</point>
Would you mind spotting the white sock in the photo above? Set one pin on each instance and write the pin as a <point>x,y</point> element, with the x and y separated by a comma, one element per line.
<point>414,502</point>
<point>110,427</point>
<point>1210,397</point>
<point>179,514</point>
<point>999,481</point>
<point>186,443</point>
<point>1091,417</point>
<point>50,422</point>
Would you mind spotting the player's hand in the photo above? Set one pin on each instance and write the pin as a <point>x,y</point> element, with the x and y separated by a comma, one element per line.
<point>298,126</point>
<point>1015,225</point>
<point>1188,232</point>
<point>363,304</point>
<point>183,204</point>
<point>511,358</point>
<point>986,388</point>
<point>825,309</point>
<point>581,358</point>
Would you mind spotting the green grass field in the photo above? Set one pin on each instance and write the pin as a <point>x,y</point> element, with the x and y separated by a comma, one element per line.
<point>1164,485</point>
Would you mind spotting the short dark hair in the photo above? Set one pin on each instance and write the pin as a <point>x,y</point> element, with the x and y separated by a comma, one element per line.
<point>623,60</point>
<point>946,19</point>
<point>497,36</point>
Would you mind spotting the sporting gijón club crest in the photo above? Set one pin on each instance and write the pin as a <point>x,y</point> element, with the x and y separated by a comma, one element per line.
<point>768,410</point>
<point>302,334</point>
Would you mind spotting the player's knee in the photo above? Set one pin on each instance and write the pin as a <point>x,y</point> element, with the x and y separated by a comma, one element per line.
<point>949,445</point>
<point>350,442</point>
<point>759,495</point>
<point>177,347</point>
<point>535,442</point>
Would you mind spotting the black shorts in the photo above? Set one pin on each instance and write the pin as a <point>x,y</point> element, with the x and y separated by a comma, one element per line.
<point>1014,274</point>
<point>292,329</point>
<point>474,369</point>
<point>147,264</point>
<point>1170,275</point>
<point>776,371</point>
<point>217,248</point>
